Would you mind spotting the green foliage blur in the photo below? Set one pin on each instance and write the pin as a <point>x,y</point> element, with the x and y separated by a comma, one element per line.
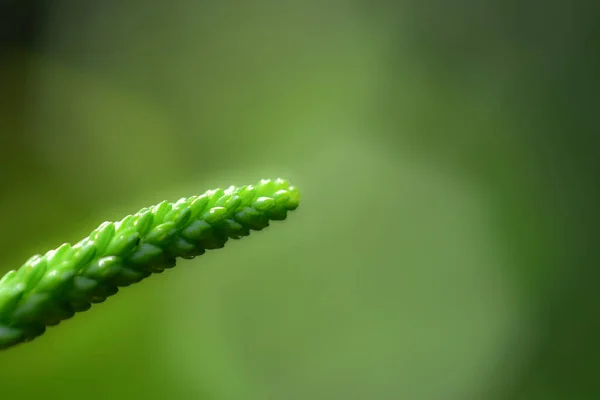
<point>447,159</point>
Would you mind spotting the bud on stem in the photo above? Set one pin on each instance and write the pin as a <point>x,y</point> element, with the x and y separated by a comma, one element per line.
<point>52,287</point>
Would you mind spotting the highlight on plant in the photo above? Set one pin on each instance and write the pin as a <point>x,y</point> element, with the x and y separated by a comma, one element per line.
<point>50,288</point>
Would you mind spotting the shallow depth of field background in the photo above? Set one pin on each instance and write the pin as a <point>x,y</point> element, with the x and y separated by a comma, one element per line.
<point>446,153</point>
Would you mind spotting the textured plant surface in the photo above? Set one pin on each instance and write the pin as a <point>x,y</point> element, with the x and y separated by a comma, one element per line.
<point>52,287</point>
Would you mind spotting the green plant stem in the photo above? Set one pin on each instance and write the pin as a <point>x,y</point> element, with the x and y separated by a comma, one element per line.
<point>52,287</point>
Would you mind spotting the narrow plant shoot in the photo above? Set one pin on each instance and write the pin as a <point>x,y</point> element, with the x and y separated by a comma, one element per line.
<point>52,287</point>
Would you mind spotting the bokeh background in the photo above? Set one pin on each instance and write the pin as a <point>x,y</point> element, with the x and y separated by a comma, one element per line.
<point>446,243</point>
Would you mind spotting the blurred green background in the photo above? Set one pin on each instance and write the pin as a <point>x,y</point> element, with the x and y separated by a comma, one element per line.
<point>447,159</point>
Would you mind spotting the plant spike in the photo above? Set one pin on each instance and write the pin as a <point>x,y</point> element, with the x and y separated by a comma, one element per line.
<point>53,287</point>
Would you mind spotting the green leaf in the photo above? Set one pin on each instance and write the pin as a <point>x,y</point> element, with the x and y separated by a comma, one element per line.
<point>50,288</point>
